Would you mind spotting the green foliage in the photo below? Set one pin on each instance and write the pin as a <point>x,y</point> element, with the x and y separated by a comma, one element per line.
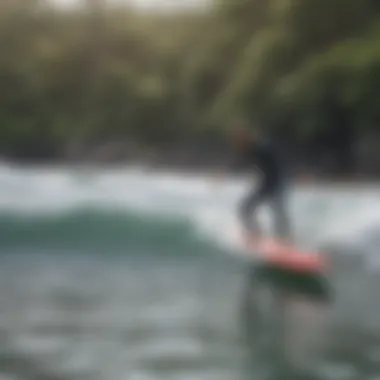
<point>110,73</point>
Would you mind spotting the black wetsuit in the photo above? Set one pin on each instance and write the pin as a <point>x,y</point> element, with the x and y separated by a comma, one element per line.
<point>264,156</point>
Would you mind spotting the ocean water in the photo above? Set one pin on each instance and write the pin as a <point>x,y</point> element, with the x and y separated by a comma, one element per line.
<point>129,275</point>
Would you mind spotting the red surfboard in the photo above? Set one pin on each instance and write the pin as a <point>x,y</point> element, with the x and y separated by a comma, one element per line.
<point>286,256</point>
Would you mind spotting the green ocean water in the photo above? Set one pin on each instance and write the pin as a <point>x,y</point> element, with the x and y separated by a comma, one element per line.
<point>124,274</point>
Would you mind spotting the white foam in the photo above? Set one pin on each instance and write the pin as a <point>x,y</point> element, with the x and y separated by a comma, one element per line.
<point>318,215</point>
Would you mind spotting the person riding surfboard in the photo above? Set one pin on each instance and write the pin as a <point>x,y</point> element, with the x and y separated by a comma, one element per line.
<point>254,150</point>
<point>279,253</point>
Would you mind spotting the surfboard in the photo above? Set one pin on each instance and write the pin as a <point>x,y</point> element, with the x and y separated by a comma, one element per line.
<point>290,268</point>
<point>286,256</point>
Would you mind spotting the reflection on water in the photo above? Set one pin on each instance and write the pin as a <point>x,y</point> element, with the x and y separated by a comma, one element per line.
<point>88,319</point>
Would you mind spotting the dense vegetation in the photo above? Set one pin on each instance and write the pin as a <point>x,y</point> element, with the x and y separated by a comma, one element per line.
<point>100,73</point>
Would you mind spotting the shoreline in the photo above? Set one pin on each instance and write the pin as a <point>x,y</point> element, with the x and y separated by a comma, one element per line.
<point>205,157</point>
<point>314,178</point>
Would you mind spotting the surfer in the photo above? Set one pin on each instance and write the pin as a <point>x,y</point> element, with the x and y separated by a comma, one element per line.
<point>256,151</point>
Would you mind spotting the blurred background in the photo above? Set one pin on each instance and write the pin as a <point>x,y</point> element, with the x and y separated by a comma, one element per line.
<point>119,256</point>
